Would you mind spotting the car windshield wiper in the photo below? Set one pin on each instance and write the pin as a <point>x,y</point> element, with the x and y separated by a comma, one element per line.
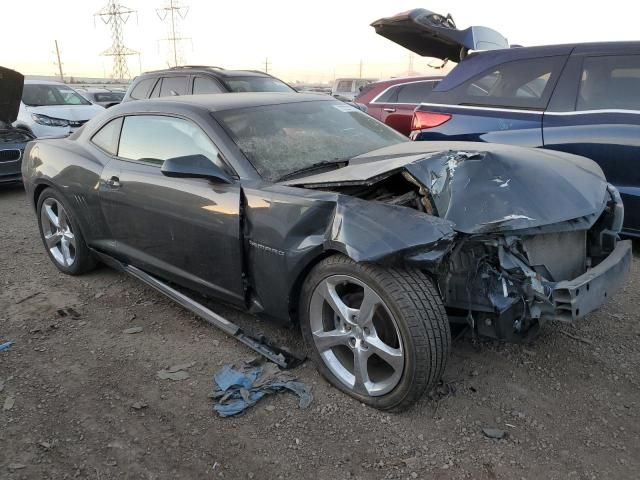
<point>335,163</point>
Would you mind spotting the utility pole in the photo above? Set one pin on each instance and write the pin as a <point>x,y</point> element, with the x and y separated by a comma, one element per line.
<point>360,68</point>
<point>59,62</point>
<point>410,68</point>
<point>266,65</point>
<point>174,12</point>
<point>116,15</point>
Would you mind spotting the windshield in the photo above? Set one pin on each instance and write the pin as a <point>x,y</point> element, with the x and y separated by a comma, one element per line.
<point>281,139</point>
<point>257,84</point>
<point>41,95</point>
<point>108,96</point>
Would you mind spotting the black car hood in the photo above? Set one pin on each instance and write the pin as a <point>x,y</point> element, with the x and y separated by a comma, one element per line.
<point>485,187</point>
<point>432,35</point>
<point>11,83</point>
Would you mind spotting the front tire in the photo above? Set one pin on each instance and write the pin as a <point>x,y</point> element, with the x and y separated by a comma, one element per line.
<point>61,235</point>
<point>378,334</point>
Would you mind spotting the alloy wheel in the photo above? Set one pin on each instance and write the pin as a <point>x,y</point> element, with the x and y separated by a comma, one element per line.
<point>356,335</point>
<point>57,232</point>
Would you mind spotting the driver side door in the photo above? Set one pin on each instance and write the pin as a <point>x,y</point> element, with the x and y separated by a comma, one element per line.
<point>185,230</point>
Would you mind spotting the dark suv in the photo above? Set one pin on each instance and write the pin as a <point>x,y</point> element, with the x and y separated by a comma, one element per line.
<point>581,98</point>
<point>192,80</point>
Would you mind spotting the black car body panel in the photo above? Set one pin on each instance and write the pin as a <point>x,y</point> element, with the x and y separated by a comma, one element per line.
<point>432,35</point>
<point>482,220</point>
<point>11,83</point>
<point>12,140</point>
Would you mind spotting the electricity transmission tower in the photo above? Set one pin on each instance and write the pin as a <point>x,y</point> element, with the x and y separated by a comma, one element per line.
<point>116,15</point>
<point>173,11</point>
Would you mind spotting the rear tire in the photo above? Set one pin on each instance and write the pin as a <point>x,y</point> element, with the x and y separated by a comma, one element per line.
<point>61,235</point>
<point>381,335</point>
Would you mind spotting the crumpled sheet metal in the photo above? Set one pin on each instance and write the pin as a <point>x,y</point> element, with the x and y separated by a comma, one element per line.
<point>374,231</point>
<point>239,387</point>
<point>480,187</point>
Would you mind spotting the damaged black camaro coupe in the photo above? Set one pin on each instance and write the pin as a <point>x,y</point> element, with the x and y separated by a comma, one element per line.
<point>301,208</point>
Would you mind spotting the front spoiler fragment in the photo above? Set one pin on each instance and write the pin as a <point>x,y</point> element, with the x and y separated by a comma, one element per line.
<point>575,298</point>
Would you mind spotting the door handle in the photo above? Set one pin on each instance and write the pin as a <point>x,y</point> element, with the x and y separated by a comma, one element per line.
<point>113,182</point>
<point>390,110</point>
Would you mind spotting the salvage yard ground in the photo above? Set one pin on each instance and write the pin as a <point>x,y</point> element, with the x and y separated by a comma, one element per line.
<point>79,398</point>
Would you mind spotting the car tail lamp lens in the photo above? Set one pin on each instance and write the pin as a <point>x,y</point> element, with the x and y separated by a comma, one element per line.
<point>422,120</point>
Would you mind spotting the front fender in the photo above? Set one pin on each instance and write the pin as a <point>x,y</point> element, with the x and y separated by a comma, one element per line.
<point>287,230</point>
<point>378,232</point>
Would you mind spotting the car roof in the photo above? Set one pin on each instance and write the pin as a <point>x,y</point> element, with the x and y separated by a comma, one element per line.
<point>44,82</point>
<point>478,62</point>
<point>395,80</point>
<point>216,71</point>
<point>221,101</point>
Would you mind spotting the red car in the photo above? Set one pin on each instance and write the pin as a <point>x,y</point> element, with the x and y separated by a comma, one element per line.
<point>393,101</point>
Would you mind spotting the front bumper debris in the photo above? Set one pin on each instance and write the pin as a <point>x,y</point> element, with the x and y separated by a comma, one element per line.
<point>575,298</point>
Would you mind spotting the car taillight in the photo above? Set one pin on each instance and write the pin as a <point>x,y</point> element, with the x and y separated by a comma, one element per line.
<point>422,120</point>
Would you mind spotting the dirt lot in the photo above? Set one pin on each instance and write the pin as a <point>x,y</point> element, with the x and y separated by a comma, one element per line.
<point>570,407</point>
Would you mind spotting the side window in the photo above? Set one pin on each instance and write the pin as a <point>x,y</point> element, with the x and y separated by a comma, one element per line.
<point>142,88</point>
<point>155,138</point>
<point>415,92</point>
<point>390,96</point>
<point>521,83</point>
<point>173,86</point>
<point>107,137</point>
<point>344,86</point>
<point>155,93</point>
<point>205,85</point>
<point>610,82</point>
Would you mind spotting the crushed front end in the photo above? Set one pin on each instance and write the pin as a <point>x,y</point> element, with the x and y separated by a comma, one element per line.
<point>533,233</point>
<point>505,285</point>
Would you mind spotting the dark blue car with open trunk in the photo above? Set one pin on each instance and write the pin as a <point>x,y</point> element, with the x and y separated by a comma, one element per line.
<point>579,98</point>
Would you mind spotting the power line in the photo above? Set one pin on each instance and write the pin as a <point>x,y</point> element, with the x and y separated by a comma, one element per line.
<point>174,12</point>
<point>116,15</point>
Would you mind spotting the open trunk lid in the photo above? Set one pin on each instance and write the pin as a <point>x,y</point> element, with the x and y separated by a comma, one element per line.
<point>433,35</point>
<point>11,83</point>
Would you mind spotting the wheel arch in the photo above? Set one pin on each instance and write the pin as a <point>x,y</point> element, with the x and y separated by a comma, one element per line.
<point>37,191</point>
<point>296,286</point>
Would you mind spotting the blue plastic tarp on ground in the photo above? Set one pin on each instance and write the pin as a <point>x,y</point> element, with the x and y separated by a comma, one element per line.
<point>237,388</point>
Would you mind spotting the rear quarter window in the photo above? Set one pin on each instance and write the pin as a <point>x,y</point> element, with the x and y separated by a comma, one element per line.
<point>107,137</point>
<point>141,89</point>
<point>517,84</point>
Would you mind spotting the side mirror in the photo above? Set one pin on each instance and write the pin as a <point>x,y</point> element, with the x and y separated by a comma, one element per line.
<point>194,166</point>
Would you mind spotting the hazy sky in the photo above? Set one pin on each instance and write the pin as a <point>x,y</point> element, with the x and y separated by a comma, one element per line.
<point>308,41</point>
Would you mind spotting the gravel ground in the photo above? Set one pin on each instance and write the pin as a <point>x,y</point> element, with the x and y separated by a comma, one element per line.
<point>70,384</point>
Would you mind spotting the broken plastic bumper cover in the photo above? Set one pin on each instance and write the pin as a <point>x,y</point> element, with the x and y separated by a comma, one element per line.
<point>575,298</point>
